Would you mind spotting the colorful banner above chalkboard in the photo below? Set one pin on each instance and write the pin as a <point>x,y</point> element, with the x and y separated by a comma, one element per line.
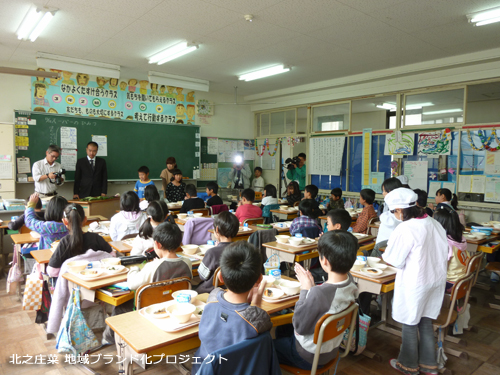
<point>132,99</point>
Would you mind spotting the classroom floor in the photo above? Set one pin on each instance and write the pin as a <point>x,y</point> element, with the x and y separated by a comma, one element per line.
<point>20,335</point>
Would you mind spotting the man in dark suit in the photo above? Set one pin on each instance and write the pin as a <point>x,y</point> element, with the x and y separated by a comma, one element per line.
<point>91,176</point>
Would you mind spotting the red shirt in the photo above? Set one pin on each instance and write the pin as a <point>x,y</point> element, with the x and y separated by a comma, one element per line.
<point>248,211</point>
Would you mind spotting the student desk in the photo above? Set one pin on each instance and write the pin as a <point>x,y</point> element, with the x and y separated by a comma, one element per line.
<point>280,230</point>
<point>478,245</point>
<point>105,207</point>
<point>139,336</point>
<point>285,215</point>
<point>242,234</point>
<point>19,240</point>
<point>290,254</point>
<point>106,237</point>
<point>121,246</point>
<point>88,288</point>
<point>42,256</point>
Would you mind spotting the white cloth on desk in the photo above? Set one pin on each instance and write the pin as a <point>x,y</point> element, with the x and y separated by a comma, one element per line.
<point>419,249</point>
<point>388,223</point>
<point>41,168</point>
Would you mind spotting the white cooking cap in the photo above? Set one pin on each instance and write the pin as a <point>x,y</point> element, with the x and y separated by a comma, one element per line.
<point>401,198</point>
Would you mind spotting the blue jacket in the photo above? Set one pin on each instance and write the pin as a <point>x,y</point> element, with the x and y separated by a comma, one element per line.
<point>248,357</point>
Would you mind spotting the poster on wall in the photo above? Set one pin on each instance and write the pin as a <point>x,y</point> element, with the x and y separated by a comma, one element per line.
<point>434,143</point>
<point>399,143</point>
<point>127,99</point>
<point>416,171</point>
<point>326,155</point>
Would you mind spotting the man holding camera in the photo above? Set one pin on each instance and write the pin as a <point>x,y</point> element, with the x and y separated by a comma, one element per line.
<point>297,171</point>
<point>48,174</point>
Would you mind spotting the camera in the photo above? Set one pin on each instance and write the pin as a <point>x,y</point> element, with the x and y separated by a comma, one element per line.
<point>58,178</point>
<point>290,162</point>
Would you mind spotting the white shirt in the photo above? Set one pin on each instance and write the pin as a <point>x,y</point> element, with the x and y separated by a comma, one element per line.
<point>41,168</point>
<point>120,226</point>
<point>388,223</point>
<point>419,249</point>
<point>258,184</point>
<point>140,245</point>
<point>269,200</point>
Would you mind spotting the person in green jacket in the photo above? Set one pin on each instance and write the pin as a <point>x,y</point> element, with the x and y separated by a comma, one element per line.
<point>298,173</point>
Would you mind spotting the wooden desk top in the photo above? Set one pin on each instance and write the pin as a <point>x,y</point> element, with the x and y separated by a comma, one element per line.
<point>365,239</point>
<point>382,280</point>
<point>286,212</point>
<point>20,239</point>
<point>290,249</point>
<point>491,238</point>
<point>92,218</point>
<point>121,247</point>
<point>80,202</point>
<point>241,233</point>
<point>42,256</point>
<point>4,224</point>
<point>280,230</point>
<point>93,285</point>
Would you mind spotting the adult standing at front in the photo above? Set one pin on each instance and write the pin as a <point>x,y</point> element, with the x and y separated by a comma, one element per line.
<point>298,172</point>
<point>240,175</point>
<point>44,173</point>
<point>166,175</point>
<point>91,176</point>
<point>418,248</point>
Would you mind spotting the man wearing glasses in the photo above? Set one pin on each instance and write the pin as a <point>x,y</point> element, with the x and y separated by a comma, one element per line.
<point>44,173</point>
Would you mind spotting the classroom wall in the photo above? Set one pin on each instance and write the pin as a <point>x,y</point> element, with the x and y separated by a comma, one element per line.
<point>362,120</point>
<point>481,112</point>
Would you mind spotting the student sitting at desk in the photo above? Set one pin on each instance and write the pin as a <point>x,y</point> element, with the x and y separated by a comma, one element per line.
<point>293,193</point>
<point>366,198</point>
<point>52,229</point>
<point>150,194</point>
<point>144,240</point>
<point>246,209</point>
<point>336,200</point>
<point>19,222</point>
<point>307,218</point>
<point>234,315</point>
<point>143,181</point>
<point>337,254</point>
<point>270,195</point>
<point>175,189</point>
<point>212,189</point>
<point>166,238</point>
<point>191,201</point>
<point>226,227</point>
<point>76,242</point>
<point>129,219</point>
<point>338,219</point>
<point>445,197</point>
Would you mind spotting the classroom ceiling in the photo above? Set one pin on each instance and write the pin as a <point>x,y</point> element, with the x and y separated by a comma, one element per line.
<point>320,39</point>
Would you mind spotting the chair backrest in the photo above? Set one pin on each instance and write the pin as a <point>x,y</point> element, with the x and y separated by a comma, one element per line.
<point>216,282</point>
<point>460,291</point>
<point>205,211</point>
<point>334,325</point>
<point>218,208</point>
<point>296,204</point>
<point>160,291</point>
<point>473,266</point>
<point>310,232</point>
<point>266,210</point>
<point>371,221</point>
<point>127,236</point>
<point>254,220</point>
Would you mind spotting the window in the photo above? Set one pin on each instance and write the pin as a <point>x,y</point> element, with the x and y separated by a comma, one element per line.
<point>483,103</point>
<point>373,113</point>
<point>331,117</point>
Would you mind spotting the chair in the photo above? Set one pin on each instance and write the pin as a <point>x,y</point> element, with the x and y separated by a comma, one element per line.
<point>327,328</point>
<point>267,214</point>
<point>160,291</point>
<point>372,231</point>
<point>218,208</point>
<point>253,221</point>
<point>127,236</point>
<point>216,281</point>
<point>494,267</point>
<point>448,315</point>
<point>296,204</point>
<point>196,231</point>
<point>205,211</point>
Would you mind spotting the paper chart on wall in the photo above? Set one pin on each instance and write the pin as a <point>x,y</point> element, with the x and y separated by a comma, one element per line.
<point>102,141</point>
<point>450,186</point>
<point>367,157</point>
<point>465,183</point>
<point>376,179</point>
<point>68,159</point>
<point>23,165</point>
<point>212,146</point>
<point>6,171</point>
<point>492,190</point>
<point>241,145</point>
<point>478,184</point>
<point>433,188</point>
<point>434,143</point>
<point>68,138</point>
<point>221,145</point>
<point>416,171</point>
<point>399,143</point>
<point>492,163</point>
<point>326,155</point>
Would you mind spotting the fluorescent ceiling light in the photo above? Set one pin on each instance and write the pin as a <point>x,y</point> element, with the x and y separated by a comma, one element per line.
<point>178,81</point>
<point>485,17</point>
<point>49,61</point>
<point>171,53</point>
<point>387,106</point>
<point>443,111</point>
<point>264,73</point>
<point>35,21</point>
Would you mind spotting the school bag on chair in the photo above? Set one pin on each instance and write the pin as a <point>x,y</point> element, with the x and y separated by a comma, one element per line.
<point>360,337</point>
<point>14,277</point>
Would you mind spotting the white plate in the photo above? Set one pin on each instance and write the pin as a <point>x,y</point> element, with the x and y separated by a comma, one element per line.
<point>371,271</point>
<point>90,274</point>
<point>275,293</point>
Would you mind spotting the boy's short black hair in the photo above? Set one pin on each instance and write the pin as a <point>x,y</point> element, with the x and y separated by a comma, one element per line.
<point>39,204</point>
<point>339,248</point>
<point>240,266</point>
<point>227,224</point>
<point>422,197</point>
<point>168,235</point>
<point>213,186</point>
<point>313,190</point>
<point>151,193</point>
<point>309,208</point>
<point>129,202</point>
<point>270,191</point>
<point>368,195</point>
<point>337,192</point>
<point>191,190</point>
<point>55,209</point>
<point>143,169</point>
<point>248,194</point>
<point>302,155</point>
<point>340,216</point>
<point>258,169</point>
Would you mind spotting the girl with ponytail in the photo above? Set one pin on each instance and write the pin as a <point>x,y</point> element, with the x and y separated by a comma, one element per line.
<point>76,242</point>
<point>144,241</point>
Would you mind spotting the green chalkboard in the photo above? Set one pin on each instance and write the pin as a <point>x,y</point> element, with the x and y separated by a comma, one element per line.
<point>131,144</point>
